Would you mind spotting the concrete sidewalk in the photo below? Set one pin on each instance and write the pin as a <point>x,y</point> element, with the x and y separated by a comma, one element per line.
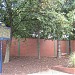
<point>51,72</point>
<point>48,72</point>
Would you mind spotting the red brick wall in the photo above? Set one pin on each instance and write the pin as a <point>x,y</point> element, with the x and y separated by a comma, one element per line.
<point>47,48</point>
<point>4,47</point>
<point>28,47</point>
<point>63,46</point>
<point>73,45</point>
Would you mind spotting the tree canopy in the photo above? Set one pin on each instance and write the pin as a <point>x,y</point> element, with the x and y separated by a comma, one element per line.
<point>50,17</point>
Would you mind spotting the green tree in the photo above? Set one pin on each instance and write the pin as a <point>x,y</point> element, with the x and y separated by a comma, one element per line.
<point>7,17</point>
<point>9,23</point>
<point>44,15</point>
<point>68,7</point>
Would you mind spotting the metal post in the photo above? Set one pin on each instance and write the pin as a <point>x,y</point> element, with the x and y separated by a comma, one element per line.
<point>0,56</point>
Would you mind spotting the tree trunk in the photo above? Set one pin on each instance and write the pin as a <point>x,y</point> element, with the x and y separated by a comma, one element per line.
<point>67,46</point>
<point>70,47</point>
<point>18,47</point>
<point>59,50</point>
<point>38,45</point>
<point>55,50</point>
<point>6,60</point>
<point>9,11</point>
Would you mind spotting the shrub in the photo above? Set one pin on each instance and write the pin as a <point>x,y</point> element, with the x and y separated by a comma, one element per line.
<point>72,60</point>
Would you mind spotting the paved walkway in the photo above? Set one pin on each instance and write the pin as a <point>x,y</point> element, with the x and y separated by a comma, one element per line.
<point>51,72</point>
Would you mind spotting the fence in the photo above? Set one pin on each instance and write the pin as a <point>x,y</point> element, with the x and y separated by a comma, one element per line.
<point>28,47</point>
